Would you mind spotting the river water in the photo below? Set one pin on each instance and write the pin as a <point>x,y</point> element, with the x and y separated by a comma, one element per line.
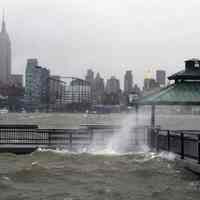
<point>62,175</point>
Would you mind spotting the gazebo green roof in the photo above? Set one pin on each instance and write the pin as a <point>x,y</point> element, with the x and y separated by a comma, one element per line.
<point>185,90</point>
<point>191,71</point>
<point>183,93</point>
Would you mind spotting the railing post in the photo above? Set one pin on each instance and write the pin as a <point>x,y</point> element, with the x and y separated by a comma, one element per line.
<point>136,124</point>
<point>182,145</point>
<point>168,140</point>
<point>150,138</point>
<point>0,136</point>
<point>49,138</point>
<point>153,109</point>
<point>91,136</point>
<point>157,140</point>
<point>198,149</point>
<point>70,140</point>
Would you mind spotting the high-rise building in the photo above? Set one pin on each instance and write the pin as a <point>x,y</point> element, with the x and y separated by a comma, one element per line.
<point>78,91</point>
<point>89,76</point>
<point>112,85</point>
<point>90,79</point>
<point>5,54</point>
<point>161,77</point>
<point>37,83</point>
<point>16,80</point>
<point>55,85</point>
<point>30,83</point>
<point>98,89</point>
<point>149,84</point>
<point>99,84</point>
<point>128,81</point>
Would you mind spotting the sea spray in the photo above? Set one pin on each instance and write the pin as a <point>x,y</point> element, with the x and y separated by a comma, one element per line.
<point>122,139</point>
<point>167,155</point>
<point>125,139</point>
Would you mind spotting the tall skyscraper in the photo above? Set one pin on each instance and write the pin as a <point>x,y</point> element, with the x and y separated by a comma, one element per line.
<point>98,89</point>
<point>99,84</point>
<point>37,83</point>
<point>128,81</point>
<point>161,77</point>
<point>89,76</point>
<point>5,54</point>
<point>112,85</point>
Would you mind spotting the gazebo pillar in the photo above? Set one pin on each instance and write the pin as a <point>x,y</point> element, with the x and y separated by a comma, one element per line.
<point>153,109</point>
<point>154,135</point>
<point>136,124</point>
<point>136,114</point>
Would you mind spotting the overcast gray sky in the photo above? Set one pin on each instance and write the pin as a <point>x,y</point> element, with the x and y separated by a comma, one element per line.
<point>109,36</point>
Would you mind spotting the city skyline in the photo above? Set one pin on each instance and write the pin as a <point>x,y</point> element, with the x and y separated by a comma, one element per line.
<point>8,78</point>
<point>68,39</point>
<point>4,31</point>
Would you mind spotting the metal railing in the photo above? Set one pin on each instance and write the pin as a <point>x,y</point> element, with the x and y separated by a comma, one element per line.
<point>31,135</point>
<point>186,143</point>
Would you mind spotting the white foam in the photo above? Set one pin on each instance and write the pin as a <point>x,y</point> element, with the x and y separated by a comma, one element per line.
<point>167,155</point>
<point>58,151</point>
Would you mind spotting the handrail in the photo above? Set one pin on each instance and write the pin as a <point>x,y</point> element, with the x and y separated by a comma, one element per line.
<point>177,141</point>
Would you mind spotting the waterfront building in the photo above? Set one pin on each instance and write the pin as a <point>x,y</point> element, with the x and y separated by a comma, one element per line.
<point>112,85</point>
<point>150,84</point>
<point>77,92</point>
<point>89,76</point>
<point>31,92</point>
<point>16,79</point>
<point>5,54</point>
<point>136,89</point>
<point>98,89</point>
<point>14,95</point>
<point>37,84</point>
<point>128,82</point>
<point>112,92</point>
<point>54,89</point>
<point>90,79</point>
<point>161,77</point>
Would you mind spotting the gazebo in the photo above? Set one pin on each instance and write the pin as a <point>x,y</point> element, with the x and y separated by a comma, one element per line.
<point>184,91</point>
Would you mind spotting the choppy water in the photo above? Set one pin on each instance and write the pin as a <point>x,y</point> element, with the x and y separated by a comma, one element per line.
<point>63,176</point>
<point>105,175</point>
<point>70,120</point>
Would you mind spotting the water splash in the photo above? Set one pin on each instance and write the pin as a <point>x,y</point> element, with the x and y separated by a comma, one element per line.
<point>123,137</point>
<point>57,151</point>
<point>167,155</point>
<point>124,140</point>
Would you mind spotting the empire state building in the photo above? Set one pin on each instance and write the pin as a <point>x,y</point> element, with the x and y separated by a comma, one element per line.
<point>5,54</point>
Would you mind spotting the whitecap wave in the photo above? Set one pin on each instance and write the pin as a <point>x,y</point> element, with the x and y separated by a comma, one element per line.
<point>57,151</point>
<point>167,155</point>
